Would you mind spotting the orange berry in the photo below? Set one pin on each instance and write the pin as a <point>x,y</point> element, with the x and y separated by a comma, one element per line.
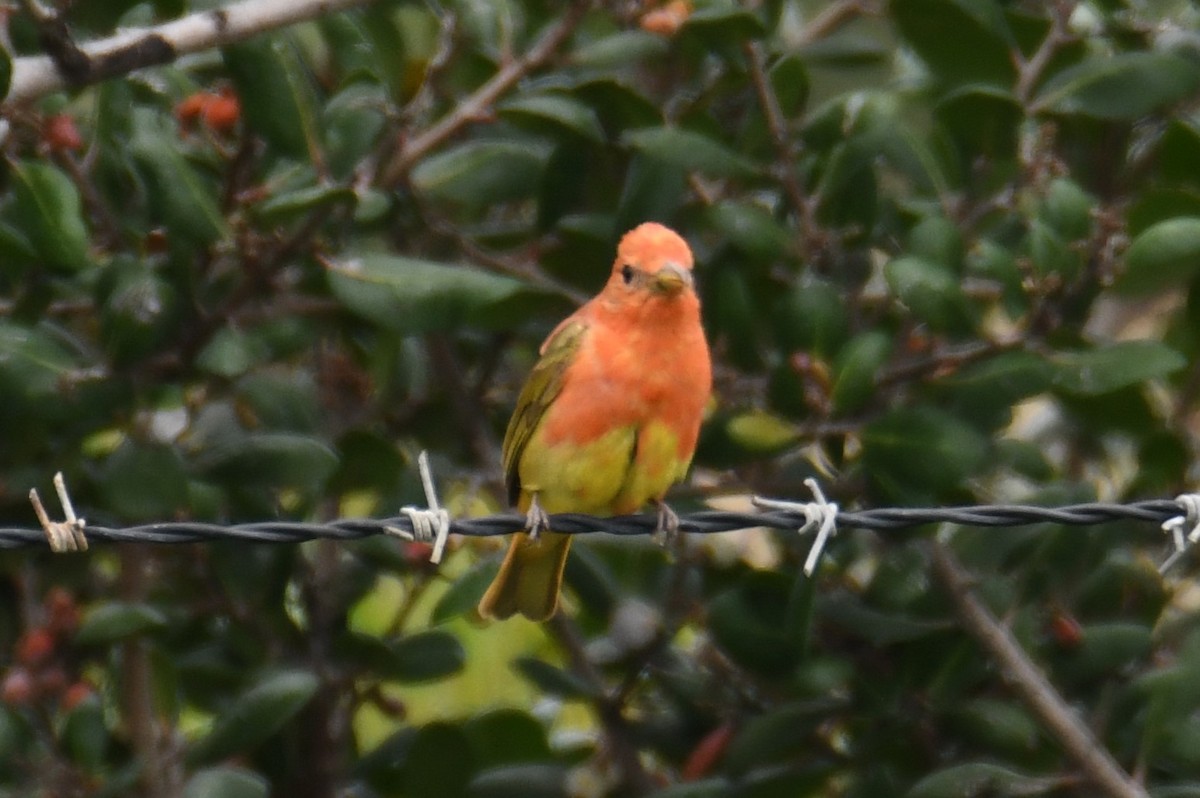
<point>76,694</point>
<point>667,21</point>
<point>61,133</point>
<point>35,647</point>
<point>190,108</point>
<point>1065,630</point>
<point>221,114</point>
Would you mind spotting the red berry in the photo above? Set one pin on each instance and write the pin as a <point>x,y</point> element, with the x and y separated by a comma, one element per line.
<point>76,694</point>
<point>61,133</point>
<point>63,612</point>
<point>35,647</point>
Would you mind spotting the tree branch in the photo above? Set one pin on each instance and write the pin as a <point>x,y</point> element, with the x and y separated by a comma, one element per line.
<point>1030,683</point>
<point>617,732</point>
<point>130,50</point>
<point>480,101</point>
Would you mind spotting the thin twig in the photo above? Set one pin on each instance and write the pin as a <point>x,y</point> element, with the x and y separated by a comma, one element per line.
<point>784,151</point>
<point>1030,683</point>
<point>835,16</point>
<point>477,104</point>
<point>617,732</point>
<point>1029,71</point>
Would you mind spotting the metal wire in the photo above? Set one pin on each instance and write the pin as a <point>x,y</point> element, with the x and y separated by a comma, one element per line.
<point>708,522</point>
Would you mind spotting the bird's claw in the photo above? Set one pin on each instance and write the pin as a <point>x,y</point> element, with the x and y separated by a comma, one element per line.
<point>536,520</point>
<point>666,530</point>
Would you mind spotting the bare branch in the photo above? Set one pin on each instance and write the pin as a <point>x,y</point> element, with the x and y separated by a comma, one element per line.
<point>129,50</point>
<point>481,100</point>
<point>1030,683</point>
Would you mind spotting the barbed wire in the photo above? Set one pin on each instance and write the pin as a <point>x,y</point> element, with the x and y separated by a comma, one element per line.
<point>1180,517</point>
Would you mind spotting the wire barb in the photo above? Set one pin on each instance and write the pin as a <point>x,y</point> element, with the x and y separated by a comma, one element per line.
<point>821,515</point>
<point>63,536</point>
<point>1190,504</point>
<point>429,524</point>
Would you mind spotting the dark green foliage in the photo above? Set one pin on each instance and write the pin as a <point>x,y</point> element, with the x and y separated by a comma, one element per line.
<point>949,252</point>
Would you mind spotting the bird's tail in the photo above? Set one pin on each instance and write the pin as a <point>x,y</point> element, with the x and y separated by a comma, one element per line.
<point>529,579</point>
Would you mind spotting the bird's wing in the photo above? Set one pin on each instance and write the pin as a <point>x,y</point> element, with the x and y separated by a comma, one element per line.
<point>544,384</point>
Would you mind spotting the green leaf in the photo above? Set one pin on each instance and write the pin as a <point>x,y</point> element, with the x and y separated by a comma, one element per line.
<point>1107,648</point>
<point>464,594</point>
<point>116,621</point>
<point>931,291</point>
<point>48,210</point>
<point>777,734</point>
<point>226,782</point>
<point>981,778</point>
<point>425,657</point>
<point>291,205</point>
<point>984,119</point>
<point>922,451</point>
<point>231,352</point>
<point>256,715</point>
<point>811,317</point>
<point>999,724</point>
<point>620,49</point>
<point>440,762</point>
<point>85,734</point>
<point>935,238</point>
<point>707,788</point>
<point>1110,368</point>
<point>880,628</point>
<point>482,173</point>
<point>962,41</point>
<point>722,24</point>
<point>1122,86</point>
<point>561,111</point>
<point>521,781</point>
<point>275,459</point>
<point>507,736</point>
<point>691,151</point>
<point>761,432</point>
<point>181,197</point>
<point>1050,253</point>
<point>789,79</point>
<point>276,93</point>
<point>988,390</point>
<point>856,369</point>
<point>1067,208</point>
<point>139,314</point>
<point>751,228</point>
<point>144,481</point>
<point>32,362</point>
<point>749,621</point>
<point>554,681</point>
<point>413,296</point>
<point>1163,255</point>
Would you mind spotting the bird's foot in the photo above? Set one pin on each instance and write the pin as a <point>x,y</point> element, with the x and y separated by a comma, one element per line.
<point>666,531</point>
<point>536,519</point>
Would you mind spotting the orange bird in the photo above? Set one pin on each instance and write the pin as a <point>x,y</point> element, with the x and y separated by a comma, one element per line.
<point>609,417</point>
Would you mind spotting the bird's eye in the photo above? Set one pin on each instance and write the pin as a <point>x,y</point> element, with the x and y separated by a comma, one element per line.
<point>627,274</point>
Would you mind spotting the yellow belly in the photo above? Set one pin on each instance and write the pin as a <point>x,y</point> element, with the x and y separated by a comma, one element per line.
<point>616,473</point>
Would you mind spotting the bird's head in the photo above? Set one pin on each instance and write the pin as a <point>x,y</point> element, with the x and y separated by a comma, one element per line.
<point>653,262</point>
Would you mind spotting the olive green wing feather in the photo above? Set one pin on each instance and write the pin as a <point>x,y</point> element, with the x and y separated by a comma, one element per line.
<point>545,382</point>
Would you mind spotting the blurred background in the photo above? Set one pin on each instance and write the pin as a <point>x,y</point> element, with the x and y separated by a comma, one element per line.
<point>948,254</point>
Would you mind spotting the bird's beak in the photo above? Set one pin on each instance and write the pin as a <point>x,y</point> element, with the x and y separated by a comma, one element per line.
<point>672,278</point>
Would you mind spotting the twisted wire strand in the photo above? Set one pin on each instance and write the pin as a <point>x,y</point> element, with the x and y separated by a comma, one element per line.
<point>706,522</point>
